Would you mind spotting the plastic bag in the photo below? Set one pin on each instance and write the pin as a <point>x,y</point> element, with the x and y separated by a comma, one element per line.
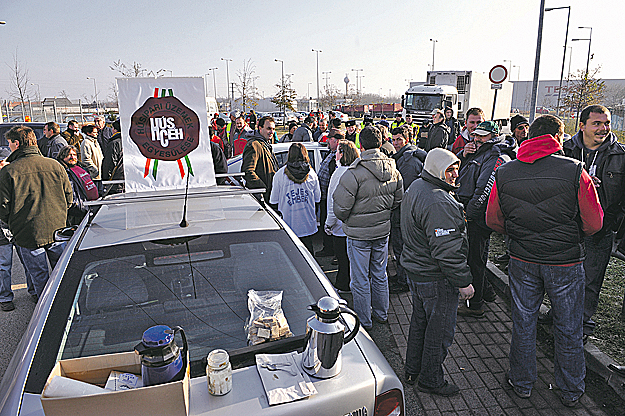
<point>267,321</point>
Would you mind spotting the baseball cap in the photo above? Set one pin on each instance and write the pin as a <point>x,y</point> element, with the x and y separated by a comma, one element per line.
<point>486,127</point>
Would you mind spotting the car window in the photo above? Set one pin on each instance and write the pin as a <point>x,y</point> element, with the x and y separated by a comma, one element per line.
<point>311,156</point>
<point>198,283</point>
<point>281,157</point>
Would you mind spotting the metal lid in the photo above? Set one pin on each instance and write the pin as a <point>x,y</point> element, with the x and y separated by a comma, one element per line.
<point>328,305</point>
<point>158,336</point>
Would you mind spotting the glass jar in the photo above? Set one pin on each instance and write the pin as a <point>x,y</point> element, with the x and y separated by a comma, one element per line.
<point>218,372</point>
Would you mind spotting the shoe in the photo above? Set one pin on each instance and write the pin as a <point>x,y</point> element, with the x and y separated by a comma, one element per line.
<point>545,318</point>
<point>335,261</point>
<point>518,392</point>
<point>464,310</point>
<point>410,378</point>
<point>504,258</point>
<point>569,403</point>
<point>398,288</point>
<point>324,253</point>
<point>489,296</point>
<point>34,298</point>
<point>7,306</point>
<point>446,390</point>
<point>378,319</point>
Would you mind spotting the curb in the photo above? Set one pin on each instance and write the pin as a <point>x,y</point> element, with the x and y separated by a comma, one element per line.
<point>596,360</point>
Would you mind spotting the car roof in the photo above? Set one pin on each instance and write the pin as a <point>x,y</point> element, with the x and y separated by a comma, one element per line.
<point>132,217</point>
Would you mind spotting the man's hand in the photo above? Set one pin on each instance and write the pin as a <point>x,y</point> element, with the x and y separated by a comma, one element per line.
<point>3,163</point>
<point>466,292</point>
<point>326,228</point>
<point>469,148</point>
<point>596,181</point>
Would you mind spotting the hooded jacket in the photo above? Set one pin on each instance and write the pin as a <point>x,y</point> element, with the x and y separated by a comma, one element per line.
<point>433,227</point>
<point>545,202</point>
<point>477,175</point>
<point>258,163</point>
<point>303,134</point>
<point>367,192</point>
<point>35,194</point>
<point>610,169</point>
<point>55,144</point>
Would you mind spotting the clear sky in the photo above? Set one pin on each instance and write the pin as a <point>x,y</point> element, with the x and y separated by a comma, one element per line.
<point>62,42</point>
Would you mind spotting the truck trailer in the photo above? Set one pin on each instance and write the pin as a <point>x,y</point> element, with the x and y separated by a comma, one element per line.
<point>459,90</point>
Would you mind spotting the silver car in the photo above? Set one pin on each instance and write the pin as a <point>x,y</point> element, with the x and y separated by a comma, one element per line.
<point>131,265</point>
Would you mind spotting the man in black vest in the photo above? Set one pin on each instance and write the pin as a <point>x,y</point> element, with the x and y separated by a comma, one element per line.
<point>546,203</point>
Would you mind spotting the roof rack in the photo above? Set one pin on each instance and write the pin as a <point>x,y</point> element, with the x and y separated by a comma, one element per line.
<point>165,195</point>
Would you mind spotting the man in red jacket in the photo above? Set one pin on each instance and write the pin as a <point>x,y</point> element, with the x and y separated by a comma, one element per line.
<point>546,203</point>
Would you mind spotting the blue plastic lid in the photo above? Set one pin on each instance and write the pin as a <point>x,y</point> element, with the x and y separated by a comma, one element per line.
<point>157,336</point>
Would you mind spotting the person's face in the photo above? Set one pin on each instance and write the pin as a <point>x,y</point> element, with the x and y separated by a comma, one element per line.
<point>267,130</point>
<point>399,141</point>
<point>333,143</point>
<point>351,129</point>
<point>596,129</point>
<point>448,113</point>
<point>480,140</point>
<point>409,119</point>
<point>71,159</point>
<point>14,145</point>
<point>520,132</point>
<point>72,127</point>
<point>292,129</point>
<point>240,123</point>
<point>472,122</point>
<point>47,132</point>
<point>94,133</point>
<point>323,124</point>
<point>99,123</point>
<point>451,174</point>
<point>437,118</point>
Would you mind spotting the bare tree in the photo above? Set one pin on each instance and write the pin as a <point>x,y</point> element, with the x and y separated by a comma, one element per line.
<point>584,89</point>
<point>20,82</point>
<point>330,96</point>
<point>113,95</point>
<point>614,96</point>
<point>132,71</point>
<point>286,96</point>
<point>63,94</point>
<point>246,87</point>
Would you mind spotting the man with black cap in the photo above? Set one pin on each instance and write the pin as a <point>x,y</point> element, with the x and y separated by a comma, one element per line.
<point>480,159</point>
<point>519,126</point>
<point>399,120</point>
<point>438,136</point>
<point>435,260</point>
<point>350,131</point>
<point>383,121</point>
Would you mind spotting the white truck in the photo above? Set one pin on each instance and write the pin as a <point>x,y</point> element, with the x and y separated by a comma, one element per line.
<point>460,90</point>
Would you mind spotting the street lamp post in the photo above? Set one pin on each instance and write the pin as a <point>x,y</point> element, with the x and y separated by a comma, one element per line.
<point>38,92</point>
<point>357,84</point>
<point>518,72</point>
<point>214,82</point>
<point>317,51</point>
<point>282,92</point>
<point>581,93</point>
<point>566,38</point>
<point>539,43</point>
<point>95,91</point>
<point>433,49</point>
<point>228,79</point>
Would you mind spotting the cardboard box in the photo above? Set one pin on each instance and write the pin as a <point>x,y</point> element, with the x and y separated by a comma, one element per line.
<point>164,399</point>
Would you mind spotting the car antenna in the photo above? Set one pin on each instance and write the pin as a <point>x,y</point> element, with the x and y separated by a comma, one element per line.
<point>184,223</point>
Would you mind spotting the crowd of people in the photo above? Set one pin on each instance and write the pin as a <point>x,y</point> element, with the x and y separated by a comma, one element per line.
<point>44,185</point>
<point>434,194</point>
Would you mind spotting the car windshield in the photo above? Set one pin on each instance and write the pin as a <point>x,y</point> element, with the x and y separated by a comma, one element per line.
<point>198,283</point>
<point>423,102</point>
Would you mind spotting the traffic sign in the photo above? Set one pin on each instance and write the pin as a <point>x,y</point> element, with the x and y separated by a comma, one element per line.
<point>495,86</point>
<point>498,74</point>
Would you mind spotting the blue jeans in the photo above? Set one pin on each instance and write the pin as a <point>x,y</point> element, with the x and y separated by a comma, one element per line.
<point>397,242</point>
<point>565,287</point>
<point>368,280</point>
<point>597,258</point>
<point>432,326</point>
<point>35,263</point>
<point>6,262</point>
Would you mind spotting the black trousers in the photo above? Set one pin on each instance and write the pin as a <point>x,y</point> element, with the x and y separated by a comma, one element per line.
<point>327,239</point>
<point>479,241</point>
<point>340,251</point>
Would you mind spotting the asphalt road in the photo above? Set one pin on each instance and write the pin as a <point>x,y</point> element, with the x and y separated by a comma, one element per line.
<point>14,323</point>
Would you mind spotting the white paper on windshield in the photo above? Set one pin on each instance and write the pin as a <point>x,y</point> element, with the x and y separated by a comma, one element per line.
<point>164,133</point>
<point>283,379</point>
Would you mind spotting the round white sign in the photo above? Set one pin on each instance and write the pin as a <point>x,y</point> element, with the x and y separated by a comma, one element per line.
<point>498,74</point>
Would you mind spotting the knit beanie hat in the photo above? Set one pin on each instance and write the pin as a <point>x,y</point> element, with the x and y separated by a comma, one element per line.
<point>516,121</point>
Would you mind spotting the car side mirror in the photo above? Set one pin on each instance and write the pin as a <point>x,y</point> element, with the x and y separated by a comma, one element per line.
<point>65,233</point>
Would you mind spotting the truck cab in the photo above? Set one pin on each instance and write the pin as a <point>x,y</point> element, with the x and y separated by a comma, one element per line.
<point>420,100</point>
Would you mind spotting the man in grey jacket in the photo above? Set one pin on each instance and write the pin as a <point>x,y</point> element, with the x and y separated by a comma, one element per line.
<point>304,133</point>
<point>363,200</point>
<point>55,141</point>
<point>435,260</point>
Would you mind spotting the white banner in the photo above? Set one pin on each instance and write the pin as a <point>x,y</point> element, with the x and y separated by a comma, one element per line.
<point>164,133</point>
